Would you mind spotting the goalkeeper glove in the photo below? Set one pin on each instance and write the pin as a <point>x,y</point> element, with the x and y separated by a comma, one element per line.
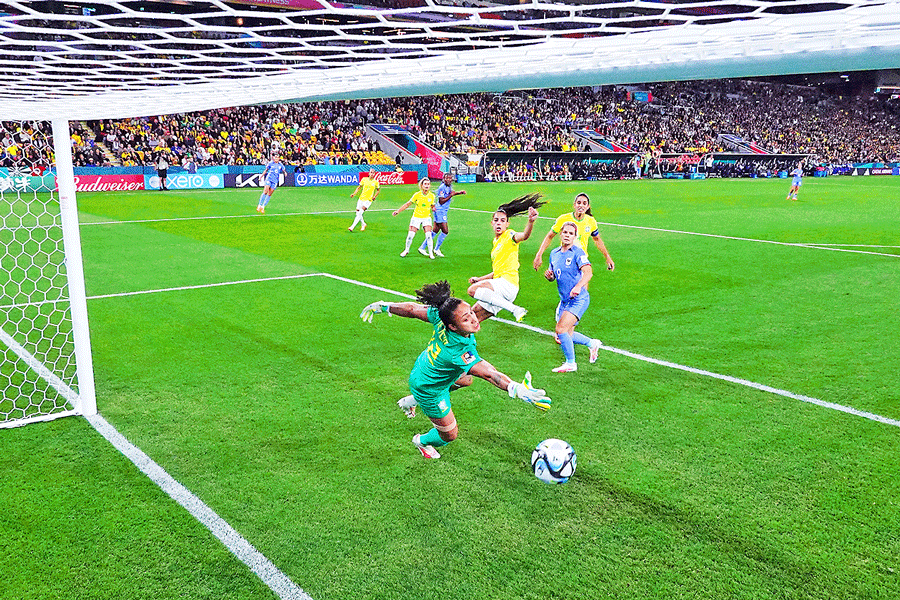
<point>373,309</point>
<point>529,394</point>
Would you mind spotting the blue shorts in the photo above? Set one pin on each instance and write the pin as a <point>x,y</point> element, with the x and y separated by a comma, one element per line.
<point>272,184</point>
<point>440,217</point>
<point>577,305</point>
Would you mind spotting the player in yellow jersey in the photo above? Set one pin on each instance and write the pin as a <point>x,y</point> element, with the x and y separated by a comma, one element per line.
<point>424,202</point>
<point>587,229</point>
<point>498,289</point>
<point>370,190</point>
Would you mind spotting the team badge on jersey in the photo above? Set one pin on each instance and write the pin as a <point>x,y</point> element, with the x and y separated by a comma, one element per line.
<point>568,261</point>
<point>468,357</point>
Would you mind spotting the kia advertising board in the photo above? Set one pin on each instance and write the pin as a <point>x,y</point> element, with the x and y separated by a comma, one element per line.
<point>249,180</point>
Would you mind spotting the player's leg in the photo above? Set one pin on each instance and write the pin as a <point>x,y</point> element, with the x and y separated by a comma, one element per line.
<point>409,238</point>
<point>444,232</point>
<point>565,326</point>
<point>444,430</point>
<point>266,196</point>
<point>263,200</point>
<point>409,403</point>
<point>499,293</point>
<point>360,209</point>
<point>429,240</point>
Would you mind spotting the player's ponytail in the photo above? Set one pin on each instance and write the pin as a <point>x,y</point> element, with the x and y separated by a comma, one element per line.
<point>520,205</point>
<point>439,296</point>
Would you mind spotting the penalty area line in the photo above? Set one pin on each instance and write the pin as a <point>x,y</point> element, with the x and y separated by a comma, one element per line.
<point>664,363</point>
<point>216,217</point>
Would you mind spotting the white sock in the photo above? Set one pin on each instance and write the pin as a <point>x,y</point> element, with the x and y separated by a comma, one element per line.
<point>357,219</point>
<point>409,239</point>
<point>430,241</point>
<point>490,296</point>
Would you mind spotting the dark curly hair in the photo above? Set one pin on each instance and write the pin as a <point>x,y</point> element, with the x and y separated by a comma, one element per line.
<point>439,296</point>
<point>520,205</point>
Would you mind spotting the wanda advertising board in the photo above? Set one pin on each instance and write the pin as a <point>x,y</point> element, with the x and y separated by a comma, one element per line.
<point>392,177</point>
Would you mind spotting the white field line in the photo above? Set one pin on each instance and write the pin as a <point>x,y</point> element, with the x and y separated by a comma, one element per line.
<point>852,245</point>
<point>248,216</point>
<point>812,246</point>
<point>656,361</point>
<point>61,387</point>
<point>277,581</point>
<point>671,365</point>
<point>201,286</point>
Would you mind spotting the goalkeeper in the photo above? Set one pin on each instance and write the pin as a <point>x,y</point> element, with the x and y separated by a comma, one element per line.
<point>448,362</point>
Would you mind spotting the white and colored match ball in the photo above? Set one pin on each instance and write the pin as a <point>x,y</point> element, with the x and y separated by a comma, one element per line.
<point>553,461</point>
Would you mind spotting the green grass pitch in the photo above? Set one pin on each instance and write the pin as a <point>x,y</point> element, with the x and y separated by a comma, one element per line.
<point>274,404</point>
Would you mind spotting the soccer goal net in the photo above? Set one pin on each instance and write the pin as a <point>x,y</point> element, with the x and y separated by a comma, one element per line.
<point>39,375</point>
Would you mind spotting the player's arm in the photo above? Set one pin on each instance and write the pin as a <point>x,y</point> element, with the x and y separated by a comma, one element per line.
<point>539,257</point>
<point>356,191</point>
<point>610,265</point>
<point>526,233</point>
<point>401,309</point>
<point>524,391</point>
<point>482,278</point>
<point>446,199</point>
<point>402,208</point>
<point>586,273</point>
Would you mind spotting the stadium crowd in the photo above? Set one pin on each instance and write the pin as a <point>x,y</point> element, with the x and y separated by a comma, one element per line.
<point>683,117</point>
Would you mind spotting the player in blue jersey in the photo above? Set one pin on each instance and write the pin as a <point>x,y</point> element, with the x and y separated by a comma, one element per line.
<point>571,269</point>
<point>271,176</point>
<point>445,194</point>
<point>448,362</point>
<point>796,182</point>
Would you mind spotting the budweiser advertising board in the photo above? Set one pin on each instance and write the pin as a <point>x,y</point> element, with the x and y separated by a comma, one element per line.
<point>393,177</point>
<point>108,183</point>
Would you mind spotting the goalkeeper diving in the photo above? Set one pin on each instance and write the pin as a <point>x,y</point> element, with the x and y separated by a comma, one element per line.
<point>447,363</point>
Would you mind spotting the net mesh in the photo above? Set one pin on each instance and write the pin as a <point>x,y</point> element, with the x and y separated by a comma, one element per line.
<point>82,60</point>
<point>38,374</point>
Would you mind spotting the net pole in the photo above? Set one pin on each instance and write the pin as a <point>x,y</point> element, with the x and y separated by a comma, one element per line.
<point>68,208</point>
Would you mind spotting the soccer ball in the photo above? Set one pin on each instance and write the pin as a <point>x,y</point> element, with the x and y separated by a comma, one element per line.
<point>553,461</point>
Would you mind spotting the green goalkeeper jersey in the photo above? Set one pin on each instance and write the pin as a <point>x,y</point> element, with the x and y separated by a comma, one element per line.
<point>447,356</point>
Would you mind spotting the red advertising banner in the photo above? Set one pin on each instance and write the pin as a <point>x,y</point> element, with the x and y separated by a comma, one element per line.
<point>393,177</point>
<point>108,183</point>
<point>434,160</point>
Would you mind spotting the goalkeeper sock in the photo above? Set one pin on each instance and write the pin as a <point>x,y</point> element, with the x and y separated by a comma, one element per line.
<point>492,297</point>
<point>440,240</point>
<point>580,338</point>
<point>568,347</point>
<point>432,438</point>
<point>409,239</point>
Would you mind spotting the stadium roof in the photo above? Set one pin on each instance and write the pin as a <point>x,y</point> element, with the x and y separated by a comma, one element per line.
<point>85,60</point>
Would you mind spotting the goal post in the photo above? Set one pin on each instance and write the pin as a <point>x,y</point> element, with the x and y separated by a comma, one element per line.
<point>47,370</point>
<point>68,209</point>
